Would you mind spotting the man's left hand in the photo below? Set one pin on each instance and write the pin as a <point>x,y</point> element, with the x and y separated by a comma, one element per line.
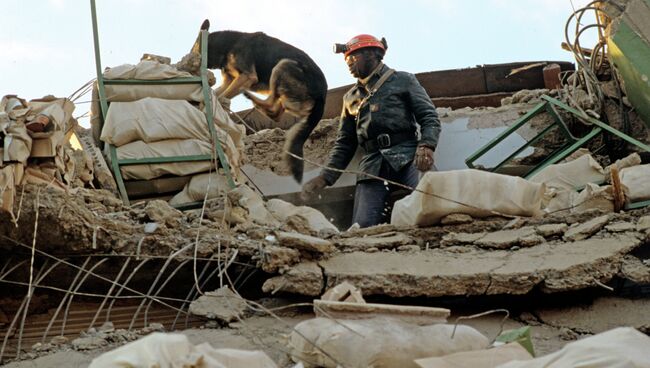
<point>423,158</point>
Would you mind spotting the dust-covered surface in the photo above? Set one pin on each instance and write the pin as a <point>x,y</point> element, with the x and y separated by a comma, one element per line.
<point>264,148</point>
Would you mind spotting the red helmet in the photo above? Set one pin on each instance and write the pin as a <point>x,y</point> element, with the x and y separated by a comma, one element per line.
<point>359,42</point>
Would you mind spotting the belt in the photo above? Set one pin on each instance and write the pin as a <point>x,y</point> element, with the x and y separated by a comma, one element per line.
<point>387,140</point>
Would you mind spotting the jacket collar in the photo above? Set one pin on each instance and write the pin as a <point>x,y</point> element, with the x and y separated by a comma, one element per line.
<point>373,77</point>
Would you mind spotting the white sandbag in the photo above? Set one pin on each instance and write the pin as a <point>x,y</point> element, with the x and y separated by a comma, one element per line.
<point>636,182</point>
<point>162,350</point>
<point>166,148</point>
<point>152,120</point>
<point>125,93</point>
<point>571,175</point>
<point>316,220</point>
<point>485,194</point>
<point>594,197</point>
<point>214,184</point>
<point>17,144</point>
<point>488,358</point>
<point>622,347</point>
<point>146,70</point>
<point>222,119</point>
<point>245,197</point>
<point>377,342</point>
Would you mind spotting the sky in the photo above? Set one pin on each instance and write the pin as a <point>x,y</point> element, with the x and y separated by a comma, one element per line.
<point>46,46</point>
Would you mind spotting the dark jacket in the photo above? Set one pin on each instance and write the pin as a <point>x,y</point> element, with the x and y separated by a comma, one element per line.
<point>394,109</point>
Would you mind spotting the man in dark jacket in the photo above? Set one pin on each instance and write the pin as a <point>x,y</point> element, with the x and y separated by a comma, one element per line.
<point>381,114</point>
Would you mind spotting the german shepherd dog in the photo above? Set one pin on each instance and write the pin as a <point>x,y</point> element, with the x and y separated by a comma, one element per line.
<point>259,63</point>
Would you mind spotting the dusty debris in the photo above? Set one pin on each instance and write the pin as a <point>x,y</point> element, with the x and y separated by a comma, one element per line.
<point>620,227</point>
<point>523,237</point>
<point>304,278</point>
<point>344,292</point>
<point>223,305</point>
<point>636,270</point>
<point>388,240</point>
<point>305,242</point>
<point>551,230</point>
<point>456,219</point>
<point>586,229</point>
<point>161,212</point>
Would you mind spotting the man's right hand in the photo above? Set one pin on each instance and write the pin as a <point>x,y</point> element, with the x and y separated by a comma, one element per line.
<point>311,187</point>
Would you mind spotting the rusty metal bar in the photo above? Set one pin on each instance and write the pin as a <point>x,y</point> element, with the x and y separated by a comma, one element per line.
<point>126,282</point>
<point>110,291</point>
<point>146,310</point>
<point>67,308</point>
<point>63,300</point>
<point>155,282</point>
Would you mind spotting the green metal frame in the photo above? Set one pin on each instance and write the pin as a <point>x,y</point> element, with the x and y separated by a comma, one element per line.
<point>203,80</point>
<point>541,107</point>
<point>550,104</point>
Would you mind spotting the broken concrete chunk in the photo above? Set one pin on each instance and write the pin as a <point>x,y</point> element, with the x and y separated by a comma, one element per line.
<point>456,219</point>
<point>550,230</point>
<point>421,316</point>
<point>524,237</point>
<point>274,258</point>
<point>356,231</point>
<point>344,292</point>
<point>586,229</point>
<point>304,242</point>
<point>635,270</point>
<point>245,197</point>
<point>643,224</point>
<point>409,248</point>
<point>388,240</point>
<point>223,305</point>
<point>304,278</point>
<point>452,239</point>
<point>161,212</point>
<point>620,227</point>
<point>315,219</point>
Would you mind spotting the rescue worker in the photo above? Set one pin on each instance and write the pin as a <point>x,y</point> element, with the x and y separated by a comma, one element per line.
<point>381,113</point>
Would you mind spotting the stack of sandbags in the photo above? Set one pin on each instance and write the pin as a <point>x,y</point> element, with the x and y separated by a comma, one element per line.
<point>146,121</point>
<point>33,146</point>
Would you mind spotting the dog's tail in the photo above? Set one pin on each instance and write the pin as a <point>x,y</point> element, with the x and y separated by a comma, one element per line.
<point>298,134</point>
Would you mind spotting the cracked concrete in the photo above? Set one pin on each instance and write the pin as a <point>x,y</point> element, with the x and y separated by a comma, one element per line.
<point>553,267</point>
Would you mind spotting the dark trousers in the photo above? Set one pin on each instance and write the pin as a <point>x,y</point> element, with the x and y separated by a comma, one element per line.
<point>371,198</point>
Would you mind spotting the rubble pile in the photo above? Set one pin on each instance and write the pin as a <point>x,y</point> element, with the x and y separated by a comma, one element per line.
<point>34,147</point>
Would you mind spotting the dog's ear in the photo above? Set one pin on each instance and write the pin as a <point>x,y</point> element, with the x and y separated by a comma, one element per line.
<point>196,48</point>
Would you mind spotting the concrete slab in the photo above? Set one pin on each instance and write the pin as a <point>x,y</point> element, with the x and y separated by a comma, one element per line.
<point>444,272</point>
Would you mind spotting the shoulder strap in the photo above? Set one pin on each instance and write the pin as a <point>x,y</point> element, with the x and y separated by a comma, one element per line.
<point>376,86</point>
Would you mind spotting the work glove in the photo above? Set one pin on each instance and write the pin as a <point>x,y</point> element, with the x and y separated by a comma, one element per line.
<point>311,187</point>
<point>423,158</point>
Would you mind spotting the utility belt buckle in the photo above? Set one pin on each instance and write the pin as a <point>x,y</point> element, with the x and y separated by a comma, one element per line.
<point>383,140</point>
